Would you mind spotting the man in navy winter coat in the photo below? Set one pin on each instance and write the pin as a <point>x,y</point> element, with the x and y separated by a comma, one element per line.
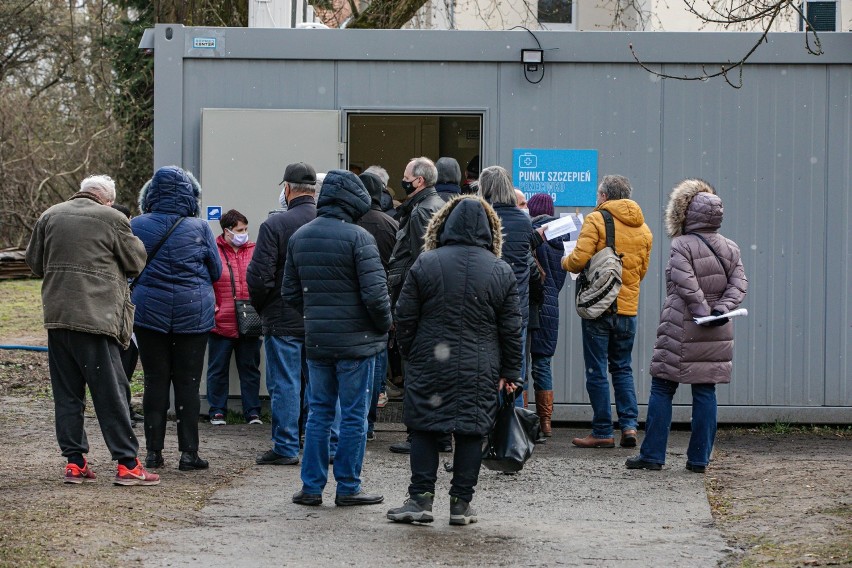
<point>283,327</point>
<point>335,278</point>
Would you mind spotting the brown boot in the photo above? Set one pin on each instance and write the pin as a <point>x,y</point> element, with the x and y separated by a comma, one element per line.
<point>592,442</point>
<point>544,409</point>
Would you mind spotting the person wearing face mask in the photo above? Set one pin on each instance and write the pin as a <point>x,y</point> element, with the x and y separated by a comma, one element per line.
<point>235,252</point>
<point>283,326</point>
<point>423,201</point>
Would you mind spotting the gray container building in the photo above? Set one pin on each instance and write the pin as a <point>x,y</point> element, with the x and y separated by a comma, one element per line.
<point>236,105</point>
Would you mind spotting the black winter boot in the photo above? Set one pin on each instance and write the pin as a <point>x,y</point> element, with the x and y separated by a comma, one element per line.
<point>154,459</point>
<point>190,461</point>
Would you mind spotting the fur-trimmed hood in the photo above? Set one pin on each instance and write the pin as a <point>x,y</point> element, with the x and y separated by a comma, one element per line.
<point>171,190</point>
<point>467,220</point>
<point>687,212</point>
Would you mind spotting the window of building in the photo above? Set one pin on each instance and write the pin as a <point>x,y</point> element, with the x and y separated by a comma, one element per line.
<point>556,14</point>
<point>821,16</point>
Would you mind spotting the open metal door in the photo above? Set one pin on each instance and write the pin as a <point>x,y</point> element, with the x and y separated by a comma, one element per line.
<point>243,156</point>
<point>244,153</point>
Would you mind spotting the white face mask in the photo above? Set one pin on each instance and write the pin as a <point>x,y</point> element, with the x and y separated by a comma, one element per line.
<point>281,199</point>
<point>239,239</point>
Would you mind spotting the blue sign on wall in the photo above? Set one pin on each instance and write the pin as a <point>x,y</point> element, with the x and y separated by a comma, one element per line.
<point>570,177</point>
<point>214,212</point>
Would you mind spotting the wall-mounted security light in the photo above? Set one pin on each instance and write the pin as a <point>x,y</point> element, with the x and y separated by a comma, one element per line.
<point>532,58</point>
<point>147,42</point>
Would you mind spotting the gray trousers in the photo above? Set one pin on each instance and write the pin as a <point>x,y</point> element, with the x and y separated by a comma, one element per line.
<point>78,359</point>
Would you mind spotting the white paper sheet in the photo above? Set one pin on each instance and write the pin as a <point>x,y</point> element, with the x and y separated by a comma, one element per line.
<point>732,314</point>
<point>560,227</point>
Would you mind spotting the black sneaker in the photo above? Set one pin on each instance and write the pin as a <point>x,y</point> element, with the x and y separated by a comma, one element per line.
<point>401,447</point>
<point>371,436</point>
<point>416,509</point>
<point>636,462</point>
<point>190,461</point>
<point>695,468</point>
<point>461,513</point>
<point>270,457</point>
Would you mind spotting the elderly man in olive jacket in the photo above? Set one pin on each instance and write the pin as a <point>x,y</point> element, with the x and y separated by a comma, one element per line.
<point>85,252</point>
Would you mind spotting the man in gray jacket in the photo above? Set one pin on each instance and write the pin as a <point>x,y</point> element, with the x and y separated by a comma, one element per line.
<point>85,252</point>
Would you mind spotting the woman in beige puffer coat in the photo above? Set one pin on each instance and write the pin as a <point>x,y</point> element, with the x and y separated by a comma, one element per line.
<point>704,277</point>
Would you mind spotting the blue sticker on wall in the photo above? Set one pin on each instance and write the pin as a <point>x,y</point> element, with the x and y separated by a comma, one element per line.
<point>214,212</point>
<point>568,176</point>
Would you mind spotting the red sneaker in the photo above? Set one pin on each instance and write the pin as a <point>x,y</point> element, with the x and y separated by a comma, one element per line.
<point>76,474</point>
<point>136,476</point>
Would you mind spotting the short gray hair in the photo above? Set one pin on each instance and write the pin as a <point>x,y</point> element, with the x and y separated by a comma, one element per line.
<point>615,187</point>
<point>380,173</point>
<point>425,168</point>
<point>495,186</point>
<point>303,187</point>
<point>448,170</point>
<point>101,185</point>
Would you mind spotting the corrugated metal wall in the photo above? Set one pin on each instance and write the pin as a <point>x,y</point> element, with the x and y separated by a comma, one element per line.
<point>777,150</point>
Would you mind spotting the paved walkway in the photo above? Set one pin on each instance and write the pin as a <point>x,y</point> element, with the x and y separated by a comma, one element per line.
<point>569,507</point>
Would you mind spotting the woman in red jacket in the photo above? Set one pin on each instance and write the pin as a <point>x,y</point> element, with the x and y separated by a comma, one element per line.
<point>235,251</point>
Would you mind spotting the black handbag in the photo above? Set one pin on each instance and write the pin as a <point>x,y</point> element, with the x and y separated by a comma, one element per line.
<point>248,320</point>
<point>511,441</point>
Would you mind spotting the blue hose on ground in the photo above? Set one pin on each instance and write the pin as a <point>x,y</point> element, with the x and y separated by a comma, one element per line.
<point>24,347</point>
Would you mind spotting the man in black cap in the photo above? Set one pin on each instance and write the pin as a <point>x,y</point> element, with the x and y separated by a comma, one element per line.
<point>283,326</point>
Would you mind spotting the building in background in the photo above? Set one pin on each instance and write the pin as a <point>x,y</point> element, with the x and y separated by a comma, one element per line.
<point>555,15</point>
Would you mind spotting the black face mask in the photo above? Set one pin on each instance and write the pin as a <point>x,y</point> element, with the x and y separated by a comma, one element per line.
<point>407,186</point>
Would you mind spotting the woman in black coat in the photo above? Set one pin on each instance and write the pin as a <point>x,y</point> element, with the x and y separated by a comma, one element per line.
<point>458,324</point>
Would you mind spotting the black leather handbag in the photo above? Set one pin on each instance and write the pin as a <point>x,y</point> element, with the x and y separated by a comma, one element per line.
<point>248,320</point>
<point>510,443</point>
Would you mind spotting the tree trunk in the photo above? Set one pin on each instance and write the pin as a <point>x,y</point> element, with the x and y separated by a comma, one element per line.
<point>387,14</point>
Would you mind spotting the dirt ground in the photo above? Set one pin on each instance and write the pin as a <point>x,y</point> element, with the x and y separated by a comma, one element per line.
<point>780,496</point>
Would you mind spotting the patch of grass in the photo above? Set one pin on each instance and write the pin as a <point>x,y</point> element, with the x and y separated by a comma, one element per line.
<point>786,429</point>
<point>20,310</point>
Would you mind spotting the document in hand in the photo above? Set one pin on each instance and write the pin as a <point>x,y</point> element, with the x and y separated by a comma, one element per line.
<point>560,227</point>
<point>733,314</point>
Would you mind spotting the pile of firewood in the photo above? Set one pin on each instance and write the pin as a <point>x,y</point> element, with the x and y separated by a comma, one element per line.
<point>12,264</point>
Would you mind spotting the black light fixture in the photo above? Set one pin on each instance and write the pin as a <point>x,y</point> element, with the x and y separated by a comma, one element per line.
<point>532,58</point>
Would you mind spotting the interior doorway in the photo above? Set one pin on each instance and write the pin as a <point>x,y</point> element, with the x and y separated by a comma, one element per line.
<point>391,140</point>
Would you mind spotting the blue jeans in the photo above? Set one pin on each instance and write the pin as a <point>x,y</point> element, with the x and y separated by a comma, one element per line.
<point>608,341</point>
<point>346,380</point>
<point>285,362</point>
<point>335,424</point>
<point>542,373</point>
<point>247,351</point>
<point>379,376</point>
<point>520,400</point>
<point>660,420</point>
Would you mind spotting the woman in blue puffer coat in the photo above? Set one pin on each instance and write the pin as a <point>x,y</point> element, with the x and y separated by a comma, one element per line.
<point>174,308</point>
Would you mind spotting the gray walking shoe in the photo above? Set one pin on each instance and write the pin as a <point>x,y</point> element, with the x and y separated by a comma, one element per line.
<point>416,509</point>
<point>461,513</point>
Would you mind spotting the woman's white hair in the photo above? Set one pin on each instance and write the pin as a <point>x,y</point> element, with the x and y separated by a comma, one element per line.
<point>495,186</point>
<point>101,185</point>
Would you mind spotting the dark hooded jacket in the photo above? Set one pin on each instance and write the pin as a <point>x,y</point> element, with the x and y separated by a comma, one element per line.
<point>413,216</point>
<point>549,255</point>
<point>447,191</point>
<point>458,323</point>
<point>696,284</point>
<point>265,272</point>
<point>334,275</point>
<point>380,225</point>
<point>517,250</point>
<point>174,294</point>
